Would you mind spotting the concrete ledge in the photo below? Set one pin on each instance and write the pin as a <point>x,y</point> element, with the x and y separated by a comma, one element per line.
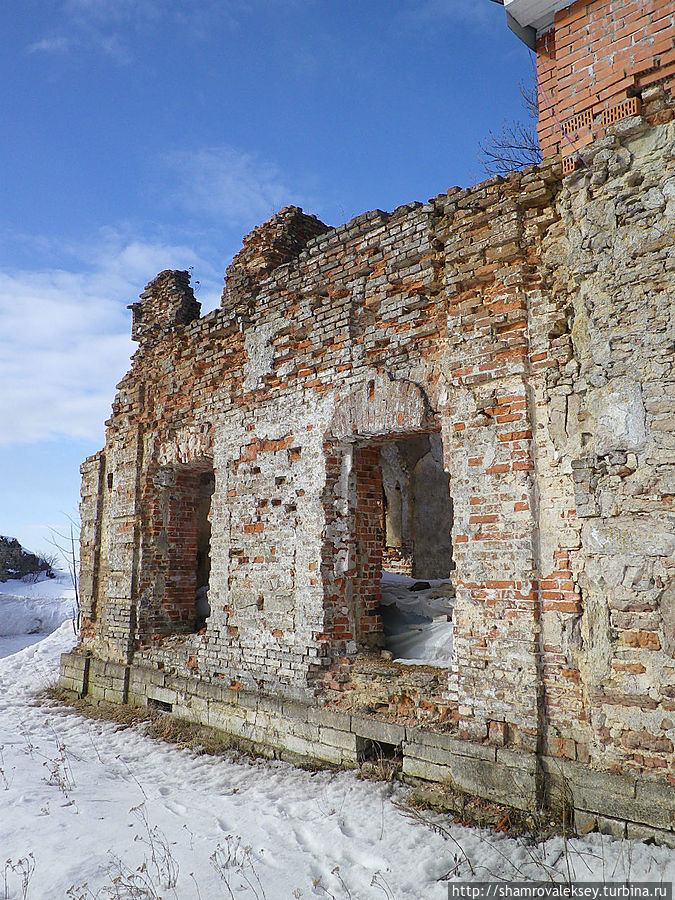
<point>613,796</point>
<point>450,743</point>
<point>513,786</point>
<point>376,730</point>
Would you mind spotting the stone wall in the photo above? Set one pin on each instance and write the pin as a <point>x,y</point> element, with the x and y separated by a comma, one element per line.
<point>608,429</point>
<point>522,326</point>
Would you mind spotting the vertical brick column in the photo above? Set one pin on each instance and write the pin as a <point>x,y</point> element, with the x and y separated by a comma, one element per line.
<point>92,471</point>
<point>369,543</point>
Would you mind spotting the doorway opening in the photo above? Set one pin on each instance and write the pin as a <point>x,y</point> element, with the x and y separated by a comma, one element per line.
<point>388,553</point>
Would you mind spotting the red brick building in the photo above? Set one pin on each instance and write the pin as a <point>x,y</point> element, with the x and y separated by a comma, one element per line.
<point>594,60</point>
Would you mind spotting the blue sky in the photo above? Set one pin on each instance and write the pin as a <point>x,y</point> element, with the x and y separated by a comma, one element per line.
<point>139,135</point>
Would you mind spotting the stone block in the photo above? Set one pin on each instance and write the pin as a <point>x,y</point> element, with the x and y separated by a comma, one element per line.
<point>482,778</point>
<point>419,768</point>
<point>96,690</point>
<point>659,836</point>
<point>243,698</point>
<point>208,690</point>
<point>376,730</point>
<point>305,730</point>
<point>111,695</point>
<point>344,740</point>
<point>295,710</point>
<point>614,827</point>
<point>512,759</point>
<point>161,695</point>
<point>193,710</point>
<point>154,676</point>
<point>333,755</point>
<point>269,704</point>
<point>584,822</point>
<point>330,718</point>
<point>297,744</point>
<point>427,753</point>
<point>658,794</point>
<point>71,685</point>
<point>450,743</point>
<point>226,718</point>
<point>620,417</point>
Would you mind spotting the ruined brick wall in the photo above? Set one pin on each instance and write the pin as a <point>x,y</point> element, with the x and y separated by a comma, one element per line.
<point>593,66</point>
<point>528,322</point>
<point>606,449</point>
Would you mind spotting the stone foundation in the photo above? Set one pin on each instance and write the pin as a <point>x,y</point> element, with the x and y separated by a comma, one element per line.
<point>619,805</point>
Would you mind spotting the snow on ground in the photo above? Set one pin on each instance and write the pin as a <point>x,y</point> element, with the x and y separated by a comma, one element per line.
<point>31,609</point>
<point>87,802</point>
<point>417,618</point>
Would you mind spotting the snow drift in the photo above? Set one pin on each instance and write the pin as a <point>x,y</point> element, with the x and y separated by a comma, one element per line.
<point>417,618</point>
<point>35,607</point>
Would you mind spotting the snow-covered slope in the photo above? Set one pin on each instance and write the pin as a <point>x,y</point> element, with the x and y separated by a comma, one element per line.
<point>31,609</point>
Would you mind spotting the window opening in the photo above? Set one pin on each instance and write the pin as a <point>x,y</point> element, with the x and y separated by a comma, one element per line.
<point>417,595</point>
<point>202,606</point>
<point>180,567</point>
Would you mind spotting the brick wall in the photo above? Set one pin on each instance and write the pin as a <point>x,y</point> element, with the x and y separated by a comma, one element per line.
<point>525,320</point>
<point>594,64</point>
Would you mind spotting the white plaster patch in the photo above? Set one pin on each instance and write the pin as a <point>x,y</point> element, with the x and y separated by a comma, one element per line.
<point>620,423</point>
<point>188,444</point>
<point>629,537</point>
<point>258,345</point>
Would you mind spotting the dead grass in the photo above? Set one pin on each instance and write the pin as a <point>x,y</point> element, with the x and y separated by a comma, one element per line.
<point>155,723</point>
<point>201,739</point>
<point>466,809</point>
<point>162,726</point>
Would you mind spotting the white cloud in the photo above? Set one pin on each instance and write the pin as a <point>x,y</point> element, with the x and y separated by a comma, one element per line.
<point>64,339</point>
<point>107,26</point>
<point>57,44</point>
<point>228,184</point>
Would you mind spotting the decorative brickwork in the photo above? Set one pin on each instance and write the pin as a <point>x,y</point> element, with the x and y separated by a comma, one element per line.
<point>594,65</point>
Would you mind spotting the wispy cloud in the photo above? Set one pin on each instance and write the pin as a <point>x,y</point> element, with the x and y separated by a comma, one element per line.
<point>108,26</point>
<point>64,339</point>
<point>430,12</point>
<point>58,44</point>
<point>225,183</point>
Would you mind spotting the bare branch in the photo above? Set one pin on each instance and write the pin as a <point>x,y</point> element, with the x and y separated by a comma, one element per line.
<point>67,546</point>
<point>516,146</point>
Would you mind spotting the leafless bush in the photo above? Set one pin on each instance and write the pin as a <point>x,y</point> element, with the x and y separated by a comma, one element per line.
<point>67,547</point>
<point>5,779</point>
<point>233,862</point>
<point>161,858</point>
<point>59,767</point>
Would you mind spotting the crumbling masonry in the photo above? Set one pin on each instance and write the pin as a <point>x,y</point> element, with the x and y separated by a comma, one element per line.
<point>511,346</point>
